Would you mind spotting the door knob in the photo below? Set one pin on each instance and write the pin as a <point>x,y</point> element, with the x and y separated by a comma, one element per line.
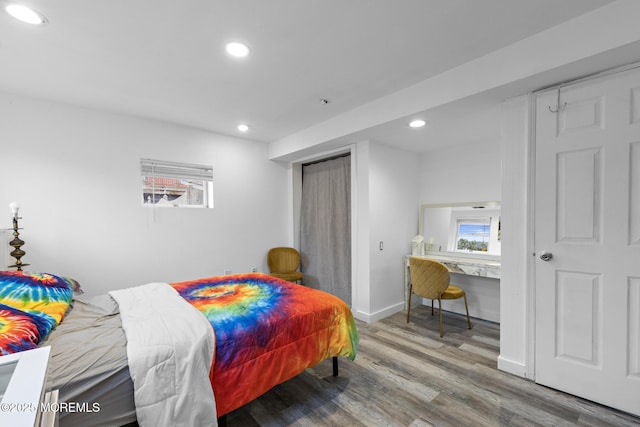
<point>546,256</point>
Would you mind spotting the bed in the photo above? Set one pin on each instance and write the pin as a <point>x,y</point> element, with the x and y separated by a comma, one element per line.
<point>257,331</point>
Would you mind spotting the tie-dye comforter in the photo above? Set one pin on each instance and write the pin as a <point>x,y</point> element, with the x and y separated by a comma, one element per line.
<point>267,331</point>
<point>31,305</point>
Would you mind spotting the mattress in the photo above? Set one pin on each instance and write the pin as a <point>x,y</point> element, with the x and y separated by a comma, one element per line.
<point>267,331</point>
<point>95,374</point>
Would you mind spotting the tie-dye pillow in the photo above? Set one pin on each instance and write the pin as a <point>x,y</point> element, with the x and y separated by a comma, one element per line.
<point>43,297</point>
<point>36,292</point>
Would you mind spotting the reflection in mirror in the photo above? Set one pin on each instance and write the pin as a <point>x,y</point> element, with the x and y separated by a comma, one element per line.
<point>461,228</point>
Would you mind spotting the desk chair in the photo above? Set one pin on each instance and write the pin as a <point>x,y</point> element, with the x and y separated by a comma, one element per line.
<point>430,279</point>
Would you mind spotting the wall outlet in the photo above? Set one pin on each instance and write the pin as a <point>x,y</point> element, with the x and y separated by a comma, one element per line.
<point>254,269</point>
<point>227,272</point>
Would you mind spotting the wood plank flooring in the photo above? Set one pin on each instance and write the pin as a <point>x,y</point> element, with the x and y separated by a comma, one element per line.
<point>406,375</point>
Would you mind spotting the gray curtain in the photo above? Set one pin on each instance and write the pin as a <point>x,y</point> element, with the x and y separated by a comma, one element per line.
<point>325,226</point>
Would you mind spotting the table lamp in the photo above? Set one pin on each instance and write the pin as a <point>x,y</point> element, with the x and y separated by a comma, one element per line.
<point>16,243</point>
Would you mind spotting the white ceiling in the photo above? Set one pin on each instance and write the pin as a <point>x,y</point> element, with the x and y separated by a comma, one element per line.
<point>165,59</point>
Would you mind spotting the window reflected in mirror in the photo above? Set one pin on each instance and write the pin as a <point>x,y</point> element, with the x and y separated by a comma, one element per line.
<point>471,228</point>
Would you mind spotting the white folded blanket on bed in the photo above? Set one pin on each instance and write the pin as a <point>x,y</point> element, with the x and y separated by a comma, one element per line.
<point>170,347</point>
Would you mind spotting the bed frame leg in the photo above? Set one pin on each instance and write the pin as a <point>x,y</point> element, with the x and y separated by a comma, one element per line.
<point>335,366</point>
<point>222,421</point>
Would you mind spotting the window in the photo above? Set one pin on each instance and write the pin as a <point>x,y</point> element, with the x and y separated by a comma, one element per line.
<point>474,230</point>
<point>473,235</point>
<point>171,184</point>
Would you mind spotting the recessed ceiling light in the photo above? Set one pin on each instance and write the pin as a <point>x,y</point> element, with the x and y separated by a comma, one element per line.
<point>25,14</point>
<point>243,128</point>
<point>237,49</point>
<point>417,123</point>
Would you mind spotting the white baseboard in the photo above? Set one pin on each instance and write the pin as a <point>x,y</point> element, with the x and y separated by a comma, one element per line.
<point>512,367</point>
<point>380,314</point>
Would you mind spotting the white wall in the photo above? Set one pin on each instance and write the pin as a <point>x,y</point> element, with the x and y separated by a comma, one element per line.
<point>393,220</point>
<point>515,303</point>
<point>75,173</point>
<point>360,260</point>
<point>465,173</point>
<point>462,173</point>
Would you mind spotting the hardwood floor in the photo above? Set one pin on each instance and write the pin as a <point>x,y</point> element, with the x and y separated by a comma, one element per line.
<point>406,375</point>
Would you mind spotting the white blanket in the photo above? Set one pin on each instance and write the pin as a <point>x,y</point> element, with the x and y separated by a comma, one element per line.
<point>170,346</point>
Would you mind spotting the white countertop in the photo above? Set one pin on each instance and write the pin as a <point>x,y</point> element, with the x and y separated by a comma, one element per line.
<point>469,264</point>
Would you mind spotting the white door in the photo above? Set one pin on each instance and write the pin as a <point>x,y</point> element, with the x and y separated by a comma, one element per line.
<point>587,217</point>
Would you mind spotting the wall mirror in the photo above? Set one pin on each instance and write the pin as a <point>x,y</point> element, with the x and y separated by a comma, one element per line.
<point>464,229</point>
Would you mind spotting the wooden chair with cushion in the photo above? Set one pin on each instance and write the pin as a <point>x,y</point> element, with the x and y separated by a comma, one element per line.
<point>430,279</point>
<point>283,263</point>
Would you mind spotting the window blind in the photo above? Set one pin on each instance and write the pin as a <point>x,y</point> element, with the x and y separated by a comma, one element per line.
<point>165,169</point>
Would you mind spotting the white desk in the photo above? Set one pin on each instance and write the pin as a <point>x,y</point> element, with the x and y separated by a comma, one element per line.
<point>461,263</point>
